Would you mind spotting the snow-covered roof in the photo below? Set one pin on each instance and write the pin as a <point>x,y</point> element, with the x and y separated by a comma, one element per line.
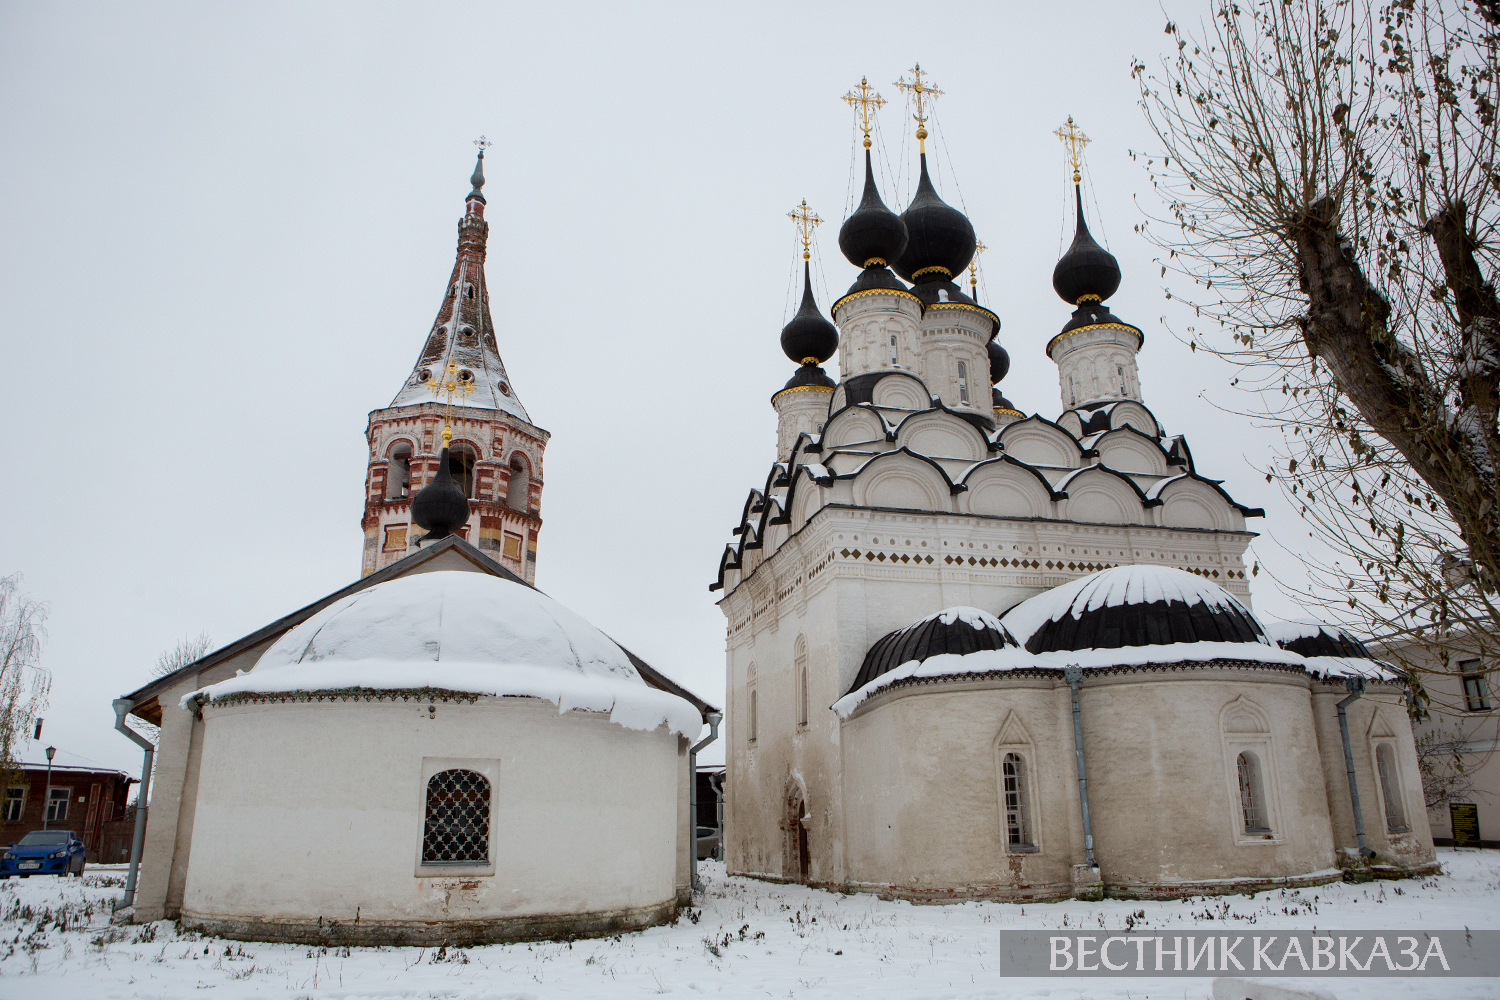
<point>461,631</point>
<point>1330,650</point>
<point>32,753</point>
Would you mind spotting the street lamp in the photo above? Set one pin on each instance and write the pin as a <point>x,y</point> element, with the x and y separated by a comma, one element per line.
<point>47,802</point>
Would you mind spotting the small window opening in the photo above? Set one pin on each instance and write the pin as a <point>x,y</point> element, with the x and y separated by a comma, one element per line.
<point>1476,688</point>
<point>1252,798</point>
<point>1390,788</point>
<point>894,357</point>
<point>15,803</point>
<point>802,692</point>
<point>963,382</point>
<point>518,492</point>
<point>751,729</point>
<point>468,291</point>
<point>457,828</point>
<point>461,459</point>
<point>1017,807</point>
<point>57,804</point>
<point>398,476</point>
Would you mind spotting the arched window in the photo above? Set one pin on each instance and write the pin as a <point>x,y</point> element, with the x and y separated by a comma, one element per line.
<point>518,494</point>
<point>457,827</point>
<point>963,382</point>
<point>1252,798</point>
<point>894,356</point>
<point>800,666</point>
<point>1390,788</point>
<point>1018,834</point>
<point>461,459</point>
<point>398,474</point>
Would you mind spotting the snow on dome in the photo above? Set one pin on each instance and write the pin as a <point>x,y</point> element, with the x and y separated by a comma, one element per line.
<point>461,631</point>
<point>1330,651</point>
<point>1140,614</point>
<point>958,640</point>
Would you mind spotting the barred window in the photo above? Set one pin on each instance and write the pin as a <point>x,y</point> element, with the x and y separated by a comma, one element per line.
<point>457,830</point>
<point>1252,798</point>
<point>1017,802</point>
<point>1390,788</point>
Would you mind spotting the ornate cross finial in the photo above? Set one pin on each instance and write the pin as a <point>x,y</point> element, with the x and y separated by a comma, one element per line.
<point>979,248</point>
<point>807,220</point>
<point>922,93</point>
<point>866,99</point>
<point>483,144</point>
<point>449,384</point>
<point>1076,140</point>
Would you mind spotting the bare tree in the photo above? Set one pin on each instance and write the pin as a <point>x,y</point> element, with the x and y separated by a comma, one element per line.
<point>188,650</point>
<point>1447,762</point>
<point>1330,172</point>
<point>24,682</point>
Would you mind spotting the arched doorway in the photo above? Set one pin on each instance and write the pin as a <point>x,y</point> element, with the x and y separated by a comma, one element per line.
<point>798,855</point>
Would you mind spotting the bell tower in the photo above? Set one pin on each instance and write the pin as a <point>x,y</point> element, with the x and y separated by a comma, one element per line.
<point>495,455</point>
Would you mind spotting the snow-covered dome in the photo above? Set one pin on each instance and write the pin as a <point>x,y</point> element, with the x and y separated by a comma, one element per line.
<point>1141,608</point>
<point>1330,650</point>
<point>465,632</point>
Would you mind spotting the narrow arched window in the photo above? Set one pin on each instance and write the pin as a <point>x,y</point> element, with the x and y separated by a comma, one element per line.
<point>1252,796</point>
<point>1390,788</point>
<point>457,826</point>
<point>1017,802</point>
<point>518,492</point>
<point>963,382</point>
<point>800,666</point>
<point>894,356</point>
<point>751,728</point>
<point>398,475</point>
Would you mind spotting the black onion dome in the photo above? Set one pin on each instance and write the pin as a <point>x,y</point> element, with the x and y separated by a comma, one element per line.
<point>999,402</point>
<point>440,506</point>
<point>1320,640</point>
<point>1087,268</point>
<point>1136,606</point>
<point>999,361</point>
<point>806,376</point>
<point>873,236</point>
<point>938,235</point>
<point>948,631</point>
<point>809,335</point>
<point>477,179</point>
<point>875,278</point>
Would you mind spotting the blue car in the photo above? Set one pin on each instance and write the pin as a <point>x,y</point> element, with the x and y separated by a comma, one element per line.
<point>43,852</point>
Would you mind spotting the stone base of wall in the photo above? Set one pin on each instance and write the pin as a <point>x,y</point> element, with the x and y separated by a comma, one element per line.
<point>1218,886</point>
<point>1369,873</point>
<point>454,933</point>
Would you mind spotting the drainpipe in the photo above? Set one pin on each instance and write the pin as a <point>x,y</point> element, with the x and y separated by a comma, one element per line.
<point>1356,687</point>
<point>713,733</point>
<point>1073,674</point>
<point>122,708</point>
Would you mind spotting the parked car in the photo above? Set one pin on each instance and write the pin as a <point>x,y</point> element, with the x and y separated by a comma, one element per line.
<point>708,843</point>
<point>43,852</point>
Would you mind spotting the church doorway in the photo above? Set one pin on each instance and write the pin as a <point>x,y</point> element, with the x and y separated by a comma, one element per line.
<point>798,855</point>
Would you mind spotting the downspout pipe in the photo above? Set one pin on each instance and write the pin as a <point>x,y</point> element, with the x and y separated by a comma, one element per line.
<point>714,718</point>
<point>1356,688</point>
<point>1073,674</point>
<point>122,708</point>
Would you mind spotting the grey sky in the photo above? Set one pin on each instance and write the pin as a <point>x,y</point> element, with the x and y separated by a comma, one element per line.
<point>225,230</point>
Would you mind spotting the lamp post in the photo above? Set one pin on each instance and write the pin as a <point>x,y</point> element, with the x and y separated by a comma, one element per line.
<point>47,802</point>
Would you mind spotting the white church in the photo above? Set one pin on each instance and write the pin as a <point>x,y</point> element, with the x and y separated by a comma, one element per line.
<point>978,654</point>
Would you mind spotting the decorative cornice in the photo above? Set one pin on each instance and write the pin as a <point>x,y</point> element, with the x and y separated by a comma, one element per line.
<point>1141,337</point>
<point>801,388</point>
<point>931,269</point>
<point>878,291</point>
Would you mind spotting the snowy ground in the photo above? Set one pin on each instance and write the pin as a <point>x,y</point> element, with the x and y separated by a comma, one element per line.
<point>749,939</point>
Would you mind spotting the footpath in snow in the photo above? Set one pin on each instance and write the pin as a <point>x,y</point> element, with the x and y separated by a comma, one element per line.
<point>744,939</point>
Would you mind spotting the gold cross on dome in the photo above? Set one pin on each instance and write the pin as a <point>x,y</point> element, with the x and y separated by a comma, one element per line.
<point>807,220</point>
<point>1075,140</point>
<point>450,383</point>
<point>483,143</point>
<point>922,93</point>
<point>979,248</point>
<point>866,99</point>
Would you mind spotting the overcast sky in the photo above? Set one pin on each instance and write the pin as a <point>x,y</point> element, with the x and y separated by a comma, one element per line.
<point>225,230</point>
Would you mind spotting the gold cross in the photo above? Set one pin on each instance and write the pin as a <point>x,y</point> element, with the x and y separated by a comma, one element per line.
<point>979,248</point>
<point>449,384</point>
<point>807,220</point>
<point>864,95</point>
<point>922,93</point>
<point>1076,140</point>
<point>483,143</point>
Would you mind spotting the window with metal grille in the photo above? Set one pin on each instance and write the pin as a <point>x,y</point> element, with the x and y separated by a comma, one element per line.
<point>1390,788</point>
<point>894,356</point>
<point>963,382</point>
<point>1017,808</point>
<point>457,830</point>
<point>1252,799</point>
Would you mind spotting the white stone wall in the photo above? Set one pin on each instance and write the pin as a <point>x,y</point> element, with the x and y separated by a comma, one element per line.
<point>868,321</point>
<point>799,410</point>
<point>1097,363</point>
<point>312,810</point>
